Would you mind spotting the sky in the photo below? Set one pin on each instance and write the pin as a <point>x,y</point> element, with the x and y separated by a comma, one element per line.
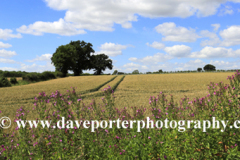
<point>144,35</point>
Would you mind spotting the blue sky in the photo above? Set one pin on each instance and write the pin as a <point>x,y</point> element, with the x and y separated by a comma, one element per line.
<point>147,35</point>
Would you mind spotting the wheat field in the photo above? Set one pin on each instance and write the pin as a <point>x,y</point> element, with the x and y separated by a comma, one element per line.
<point>134,90</point>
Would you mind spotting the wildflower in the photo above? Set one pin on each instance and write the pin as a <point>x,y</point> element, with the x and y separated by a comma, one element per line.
<point>60,140</point>
<point>120,153</point>
<point>2,146</point>
<point>149,137</point>
<point>117,137</point>
<point>235,145</point>
<point>109,146</point>
<point>134,136</point>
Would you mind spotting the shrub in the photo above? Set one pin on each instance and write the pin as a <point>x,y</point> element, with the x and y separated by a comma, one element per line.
<point>13,80</point>
<point>4,82</point>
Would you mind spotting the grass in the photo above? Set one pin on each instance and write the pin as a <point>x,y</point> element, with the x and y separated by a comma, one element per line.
<point>136,97</point>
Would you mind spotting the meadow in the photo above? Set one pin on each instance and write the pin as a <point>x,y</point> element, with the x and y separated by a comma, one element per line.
<point>134,98</point>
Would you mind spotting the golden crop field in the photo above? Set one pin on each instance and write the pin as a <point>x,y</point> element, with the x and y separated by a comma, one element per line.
<point>19,95</point>
<point>135,90</point>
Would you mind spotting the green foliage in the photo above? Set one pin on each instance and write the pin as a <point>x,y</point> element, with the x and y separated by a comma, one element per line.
<point>115,72</point>
<point>160,71</point>
<point>135,72</point>
<point>4,82</point>
<point>209,67</point>
<point>120,73</point>
<point>13,80</point>
<point>35,77</point>
<point>100,62</point>
<point>199,69</point>
<point>12,73</point>
<point>59,74</point>
<point>148,72</point>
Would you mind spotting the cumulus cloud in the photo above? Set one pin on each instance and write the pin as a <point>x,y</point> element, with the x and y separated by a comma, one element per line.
<point>156,45</point>
<point>2,60</point>
<point>156,58</point>
<point>6,34</point>
<point>190,65</point>
<point>5,53</point>
<point>111,49</point>
<point>213,38</point>
<point>178,50</point>
<point>101,16</point>
<point>231,36</point>
<point>37,68</point>
<point>174,33</point>
<point>216,26</point>
<point>58,27</point>
<point>5,45</point>
<point>217,52</point>
<point>44,57</point>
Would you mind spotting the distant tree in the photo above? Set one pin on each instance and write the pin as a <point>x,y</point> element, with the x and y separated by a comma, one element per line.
<point>160,71</point>
<point>199,69</point>
<point>115,72</point>
<point>100,62</point>
<point>209,67</point>
<point>135,72</point>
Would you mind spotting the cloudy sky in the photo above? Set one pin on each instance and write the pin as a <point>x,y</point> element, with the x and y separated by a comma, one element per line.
<point>147,35</point>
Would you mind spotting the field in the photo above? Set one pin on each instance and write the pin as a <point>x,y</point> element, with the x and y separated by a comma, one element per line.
<point>134,90</point>
<point>132,102</point>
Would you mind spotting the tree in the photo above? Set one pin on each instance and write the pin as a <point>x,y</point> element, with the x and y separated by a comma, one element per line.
<point>62,59</point>
<point>199,69</point>
<point>82,57</point>
<point>115,72</point>
<point>160,71</point>
<point>100,62</point>
<point>135,72</point>
<point>209,67</point>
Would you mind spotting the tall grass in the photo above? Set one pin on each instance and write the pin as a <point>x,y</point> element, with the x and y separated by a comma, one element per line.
<point>118,143</point>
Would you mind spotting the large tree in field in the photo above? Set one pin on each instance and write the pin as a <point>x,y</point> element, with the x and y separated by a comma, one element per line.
<point>62,59</point>
<point>100,62</point>
<point>75,56</point>
<point>82,57</point>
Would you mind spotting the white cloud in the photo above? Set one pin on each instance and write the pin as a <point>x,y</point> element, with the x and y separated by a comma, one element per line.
<point>5,53</point>
<point>156,45</point>
<point>216,26</point>
<point>231,36</point>
<point>5,45</point>
<point>2,60</point>
<point>190,65</point>
<point>174,33</point>
<point>6,34</point>
<point>44,57</point>
<point>111,49</point>
<point>226,10</point>
<point>37,68</point>
<point>156,58</point>
<point>213,38</point>
<point>8,69</point>
<point>218,52</point>
<point>101,15</point>
<point>178,50</point>
<point>58,27</point>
